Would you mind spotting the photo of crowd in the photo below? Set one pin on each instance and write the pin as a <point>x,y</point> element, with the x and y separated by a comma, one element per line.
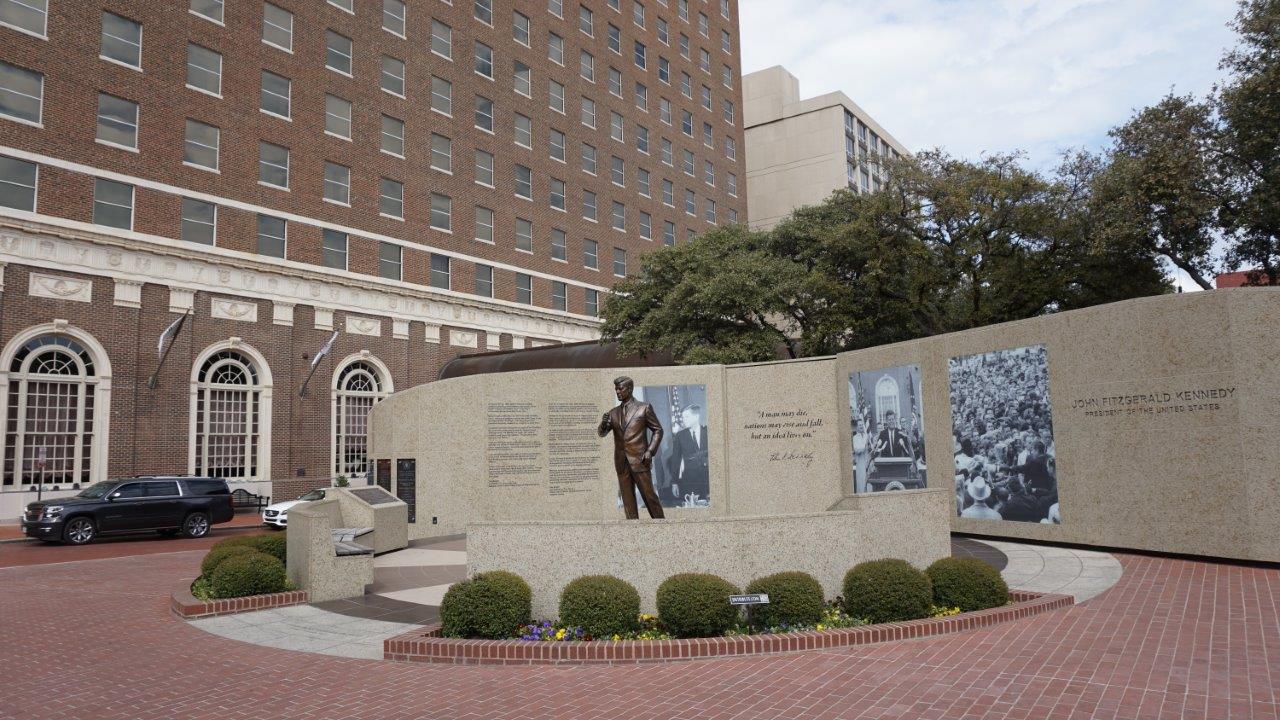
<point>887,428</point>
<point>1003,424</point>
<point>680,471</point>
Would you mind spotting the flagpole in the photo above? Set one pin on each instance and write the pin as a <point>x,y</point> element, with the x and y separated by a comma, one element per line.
<point>164,352</point>
<point>315,363</point>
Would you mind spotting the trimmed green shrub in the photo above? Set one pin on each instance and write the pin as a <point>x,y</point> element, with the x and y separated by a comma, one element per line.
<point>967,583</point>
<point>250,573</point>
<point>490,605</point>
<point>218,553</point>
<point>274,544</point>
<point>602,605</point>
<point>887,591</point>
<point>795,598</point>
<point>696,605</point>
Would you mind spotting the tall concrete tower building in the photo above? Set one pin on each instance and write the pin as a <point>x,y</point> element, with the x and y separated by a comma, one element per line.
<point>799,151</point>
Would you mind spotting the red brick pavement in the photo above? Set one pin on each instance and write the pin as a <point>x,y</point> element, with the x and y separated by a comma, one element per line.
<point>1173,639</point>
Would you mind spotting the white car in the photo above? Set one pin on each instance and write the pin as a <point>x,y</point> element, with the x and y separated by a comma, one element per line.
<point>276,515</point>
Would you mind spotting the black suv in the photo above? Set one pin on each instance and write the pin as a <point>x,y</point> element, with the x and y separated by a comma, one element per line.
<point>166,504</point>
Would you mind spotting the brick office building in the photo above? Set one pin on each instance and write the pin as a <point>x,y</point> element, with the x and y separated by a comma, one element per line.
<point>423,178</point>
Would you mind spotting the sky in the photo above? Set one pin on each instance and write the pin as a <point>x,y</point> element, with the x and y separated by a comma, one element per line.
<point>994,76</point>
<point>982,76</point>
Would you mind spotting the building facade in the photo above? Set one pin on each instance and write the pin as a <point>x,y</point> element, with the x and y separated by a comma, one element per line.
<point>800,151</point>
<point>394,181</point>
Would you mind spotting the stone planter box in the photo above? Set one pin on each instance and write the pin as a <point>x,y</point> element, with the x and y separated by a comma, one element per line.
<point>426,645</point>
<point>187,606</point>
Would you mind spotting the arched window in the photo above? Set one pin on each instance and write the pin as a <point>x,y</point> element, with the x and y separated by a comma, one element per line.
<point>53,406</point>
<point>360,383</point>
<point>887,398</point>
<point>228,417</point>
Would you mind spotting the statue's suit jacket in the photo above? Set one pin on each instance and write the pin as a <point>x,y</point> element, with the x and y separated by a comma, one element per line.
<point>629,435</point>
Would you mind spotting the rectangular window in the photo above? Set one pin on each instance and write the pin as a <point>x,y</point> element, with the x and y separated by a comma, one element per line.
<point>619,173</point>
<point>642,139</point>
<point>208,9</point>
<point>273,164</point>
<point>484,60</point>
<point>333,247</point>
<point>524,288</point>
<point>642,177</point>
<point>337,116</point>
<point>592,302</point>
<point>732,182</point>
<point>441,96</point>
<point>588,205</point>
<point>484,224</point>
<point>557,194</point>
<point>523,131</point>
<point>441,39</point>
<point>558,295</point>
<point>393,17</point>
<point>557,141</point>
<point>343,5</point>
<point>441,212</point>
<point>524,182</point>
<point>201,145</point>
<point>586,21</point>
<point>484,168</point>
<point>710,213</point>
<point>276,94</point>
<point>393,75</point>
<point>337,56</point>
<point>642,97</point>
<point>18,184</point>
<point>484,113</point>
<point>277,27</point>
<point>272,237</point>
<point>199,221</point>
<point>668,233</point>
<point>121,37</point>
<point>619,216</point>
<point>646,226</point>
<point>708,173</point>
<point>117,121</point>
<point>484,11</point>
<point>392,136</point>
<point>690,203</point>
<point>441,153</point>
<point>589,113</point>
<point>524,235</point>
<point>615,82</point>
<point>204,69</point>
<point>337,183</point>
<point>522,77</point>
<point>664,110</point>
<point>591,254</point>
<point>556,7</point>
<point>615,127</point>
<point>555,48</point>
<point>559,250</point>
<point>484,280</point>
<point>587,66</point>
<point>556,96</point>
<point>619,262</point>
<point>588,159</point>
<point>642,60</point>
<point>637,14</point>
<point>29,16</point>
<point>520,28</point>
<point>664,32</point>
<point>668,193</point>
<point>615,39</point>
<point>390,261</point>
<point>391,198</point>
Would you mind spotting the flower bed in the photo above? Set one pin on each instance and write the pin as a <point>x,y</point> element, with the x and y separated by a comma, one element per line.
<point>427,645</point>
<point>189,607</point>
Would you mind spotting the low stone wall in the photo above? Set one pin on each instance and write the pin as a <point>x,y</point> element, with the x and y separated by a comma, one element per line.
<point>189,607</point>
<point>911,525</point>
<point>313,564</point>
<point>426,645</point>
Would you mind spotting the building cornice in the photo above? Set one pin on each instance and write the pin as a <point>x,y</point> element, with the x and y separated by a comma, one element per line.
<point>57,245</point>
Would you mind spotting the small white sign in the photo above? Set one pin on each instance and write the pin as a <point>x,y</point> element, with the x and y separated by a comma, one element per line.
<point>752,599</point>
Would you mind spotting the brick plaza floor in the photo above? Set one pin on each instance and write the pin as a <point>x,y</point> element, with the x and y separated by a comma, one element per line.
<point>1173,639</point>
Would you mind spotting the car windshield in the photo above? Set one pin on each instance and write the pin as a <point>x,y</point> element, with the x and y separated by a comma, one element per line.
<point>97,490</point>
<point>313,495</point>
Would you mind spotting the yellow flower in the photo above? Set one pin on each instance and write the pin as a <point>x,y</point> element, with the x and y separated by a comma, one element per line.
<point>617,637</point>
<point>560,634</point>
<point>821,626</point>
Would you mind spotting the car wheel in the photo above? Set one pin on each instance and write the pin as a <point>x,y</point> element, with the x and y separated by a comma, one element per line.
<point>196,525</point>
<point>79,531</point>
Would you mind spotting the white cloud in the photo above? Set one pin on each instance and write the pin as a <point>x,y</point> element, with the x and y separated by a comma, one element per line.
<point>978,76</point>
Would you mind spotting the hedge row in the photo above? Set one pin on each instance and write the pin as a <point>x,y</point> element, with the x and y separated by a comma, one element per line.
<point>493,604</point>
<point>245,565</point>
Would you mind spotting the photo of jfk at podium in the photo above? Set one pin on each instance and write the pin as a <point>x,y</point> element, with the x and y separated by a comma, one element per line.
<point>887,427</point>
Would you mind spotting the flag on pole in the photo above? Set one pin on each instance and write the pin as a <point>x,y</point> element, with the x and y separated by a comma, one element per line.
<point>324,351</point>
<point>169,334</point>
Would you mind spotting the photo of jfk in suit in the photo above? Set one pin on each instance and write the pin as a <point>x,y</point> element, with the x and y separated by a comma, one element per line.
<point>893,440</point>
<point>636,437</point>
<point>687,464</point>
